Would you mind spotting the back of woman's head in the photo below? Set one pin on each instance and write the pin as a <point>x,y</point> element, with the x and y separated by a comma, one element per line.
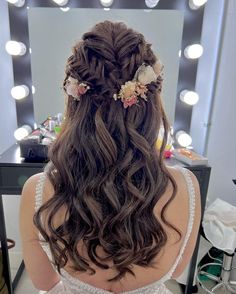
<point>104,165</point>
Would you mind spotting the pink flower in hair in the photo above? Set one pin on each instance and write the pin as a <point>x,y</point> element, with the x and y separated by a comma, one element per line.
<point>129,102</point>
<point>74,89</point>
<point>82,88</point>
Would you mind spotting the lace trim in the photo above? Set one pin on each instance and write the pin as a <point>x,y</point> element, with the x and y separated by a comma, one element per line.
<point>192,204</point>
<point>39,191</point>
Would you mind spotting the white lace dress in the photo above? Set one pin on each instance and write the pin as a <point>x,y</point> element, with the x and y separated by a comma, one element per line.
<point>71,285</point>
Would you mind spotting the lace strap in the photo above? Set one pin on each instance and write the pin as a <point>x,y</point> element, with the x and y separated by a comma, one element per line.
<point>39,191</point>
<point>192,204</point>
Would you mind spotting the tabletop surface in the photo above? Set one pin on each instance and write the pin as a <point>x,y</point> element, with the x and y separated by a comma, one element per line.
<point>12,157</point>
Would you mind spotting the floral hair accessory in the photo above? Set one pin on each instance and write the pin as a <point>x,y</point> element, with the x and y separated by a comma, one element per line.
<point>76,89</point>
<point>132,90</point>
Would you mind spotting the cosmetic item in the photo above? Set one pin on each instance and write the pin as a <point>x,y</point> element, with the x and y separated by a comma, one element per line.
<point>47,134</point>
<point>46,141</point>
<point>57,129</point>
<point>51,125</point>
<point>167,154</point>
<point>189,156</point>
<point>59,119</point>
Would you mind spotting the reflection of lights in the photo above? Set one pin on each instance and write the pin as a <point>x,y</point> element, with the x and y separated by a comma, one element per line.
<point>22,132</point>
<point>15,48</point>
<point>61,2</point>
<point>20,92</point>
<point>193,51</point>
<point>195,4</point>
<point>18,3</point>
<point>107,8</point>
<point>33,89</point>
<point>180,53</point>
<point>183,138</point>
<point>151,3</point>
<point>189,97</point>
<point>65,9</point>
<point>106,3</point>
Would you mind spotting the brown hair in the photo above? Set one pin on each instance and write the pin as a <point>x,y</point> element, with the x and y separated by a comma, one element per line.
<point>104,165</point>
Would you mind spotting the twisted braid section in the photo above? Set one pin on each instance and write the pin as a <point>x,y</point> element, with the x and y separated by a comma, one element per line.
<point>107,58</point>
<point>104,165</point>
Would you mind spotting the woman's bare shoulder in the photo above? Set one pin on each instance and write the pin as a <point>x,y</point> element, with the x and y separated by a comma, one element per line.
<point>177,174</point>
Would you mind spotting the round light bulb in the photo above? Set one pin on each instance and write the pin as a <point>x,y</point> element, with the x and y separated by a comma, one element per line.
<point>195,4</point>
<point>106,3</point>
<point>183,138</point>
<point>15,48</point>
<point>151,3</point>
<point>193,51</point>
<point>61,2</point>
<point>20,92</point>
<point>22,132</point>
<point>18,3</point>
<point>189,97</point>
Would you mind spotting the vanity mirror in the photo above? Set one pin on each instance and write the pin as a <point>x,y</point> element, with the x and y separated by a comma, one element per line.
<point>170,26</point>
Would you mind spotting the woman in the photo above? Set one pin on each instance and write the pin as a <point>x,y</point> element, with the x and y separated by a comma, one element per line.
<point>107,215</point>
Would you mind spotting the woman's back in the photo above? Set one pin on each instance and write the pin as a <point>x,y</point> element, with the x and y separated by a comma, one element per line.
<point>183,212</point>
<point>116,218</point>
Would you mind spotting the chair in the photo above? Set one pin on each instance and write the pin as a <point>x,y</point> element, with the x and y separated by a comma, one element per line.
<point>219,226</point>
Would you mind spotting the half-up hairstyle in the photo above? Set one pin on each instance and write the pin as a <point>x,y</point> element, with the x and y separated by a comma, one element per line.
<point>104,166</point>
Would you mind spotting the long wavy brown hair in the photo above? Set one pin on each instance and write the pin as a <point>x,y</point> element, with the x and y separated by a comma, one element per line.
<point>104,166</point>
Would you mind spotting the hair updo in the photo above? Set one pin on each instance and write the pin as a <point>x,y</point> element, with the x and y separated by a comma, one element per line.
<point>104,165</point>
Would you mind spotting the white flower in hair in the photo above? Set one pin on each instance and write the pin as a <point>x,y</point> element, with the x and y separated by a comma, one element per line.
<point>72,87</point>
<point>76,89</point>
<point>145,74</point>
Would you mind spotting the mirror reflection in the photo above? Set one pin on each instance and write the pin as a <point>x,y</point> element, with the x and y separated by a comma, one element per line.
<point>162,28</point>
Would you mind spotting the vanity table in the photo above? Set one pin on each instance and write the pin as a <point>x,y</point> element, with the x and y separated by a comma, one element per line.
<point>14,171</point>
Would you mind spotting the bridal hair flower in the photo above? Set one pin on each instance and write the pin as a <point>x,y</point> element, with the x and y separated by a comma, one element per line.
<point>129,92</point>
<point>132,90</point>
<point>76,89</point>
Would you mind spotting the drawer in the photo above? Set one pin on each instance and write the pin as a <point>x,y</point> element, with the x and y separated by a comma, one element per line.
<point>12,178</point>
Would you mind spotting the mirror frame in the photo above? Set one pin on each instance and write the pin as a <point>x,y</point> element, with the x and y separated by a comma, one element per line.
<point>193,19</point>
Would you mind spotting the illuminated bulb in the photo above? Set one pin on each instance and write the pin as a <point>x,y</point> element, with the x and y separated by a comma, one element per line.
<point>106,3</point>
<point>65,9</point>
<point>22,132</point>
<point>151,3</point>
<point>189,97</point>
<point>15,48</point>
<point>18,3</point>
<point>20,92</point>
<point>193,51</point>
<point>183,139</point>
<point>195,4</point>
<point>61,2</point>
